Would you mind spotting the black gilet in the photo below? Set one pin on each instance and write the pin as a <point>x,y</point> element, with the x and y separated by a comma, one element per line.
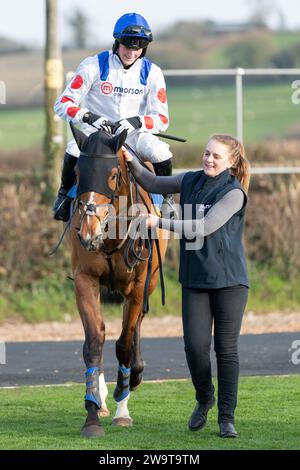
<point>221,260</point>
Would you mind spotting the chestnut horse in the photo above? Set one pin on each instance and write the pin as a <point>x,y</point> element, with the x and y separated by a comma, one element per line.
<point>102,179</point>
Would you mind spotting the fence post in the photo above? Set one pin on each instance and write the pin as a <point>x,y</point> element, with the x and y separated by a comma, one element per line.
<point>239,102</point>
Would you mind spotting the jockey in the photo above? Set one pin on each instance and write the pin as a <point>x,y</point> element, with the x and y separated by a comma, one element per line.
<point>118,89</point>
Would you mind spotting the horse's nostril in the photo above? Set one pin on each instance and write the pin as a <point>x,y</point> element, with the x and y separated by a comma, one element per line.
<point>91,244</point>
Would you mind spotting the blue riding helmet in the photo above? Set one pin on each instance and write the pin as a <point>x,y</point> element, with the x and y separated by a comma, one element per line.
<point>133,25</point>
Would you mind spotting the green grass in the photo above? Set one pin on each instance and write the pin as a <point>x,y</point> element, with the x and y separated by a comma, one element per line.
<point>267,417</point>
<point>32,303</point>
<point>269,292</point>
<point>21,128</point>
<point>285,39</point>
<point>196,112</point>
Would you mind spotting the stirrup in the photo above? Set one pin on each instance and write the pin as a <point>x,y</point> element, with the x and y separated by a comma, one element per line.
<point>62,212</point>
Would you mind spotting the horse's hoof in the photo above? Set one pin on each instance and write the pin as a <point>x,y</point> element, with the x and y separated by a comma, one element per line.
<point>122,422</point>
<point>135,382</point>
<point>103,412</point>
<point>92,430</point>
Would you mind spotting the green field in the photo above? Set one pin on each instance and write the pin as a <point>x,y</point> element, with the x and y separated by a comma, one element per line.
<point>198,112</point>
<point>267,417</point>
<point>195,111</point>
<point>21,128</point>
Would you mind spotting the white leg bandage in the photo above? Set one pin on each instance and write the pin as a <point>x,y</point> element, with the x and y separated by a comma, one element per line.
<point>103,392</point>
<point>122,409</point>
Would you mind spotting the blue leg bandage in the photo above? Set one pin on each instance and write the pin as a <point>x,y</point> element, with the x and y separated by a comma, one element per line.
<point>92,386</point>
<point>122,388</point>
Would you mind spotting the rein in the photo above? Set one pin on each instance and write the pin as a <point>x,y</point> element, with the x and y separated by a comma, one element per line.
<point>150,248</point>
<point>90,209</point>
<point>68,224</point>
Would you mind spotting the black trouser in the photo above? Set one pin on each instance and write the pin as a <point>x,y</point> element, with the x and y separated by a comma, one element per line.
<point>225,308</point>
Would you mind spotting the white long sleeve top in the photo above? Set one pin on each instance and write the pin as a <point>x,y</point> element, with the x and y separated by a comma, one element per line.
<point>104,87</point>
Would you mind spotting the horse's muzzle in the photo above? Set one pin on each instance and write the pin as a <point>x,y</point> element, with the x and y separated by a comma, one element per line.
<point>90,244</point>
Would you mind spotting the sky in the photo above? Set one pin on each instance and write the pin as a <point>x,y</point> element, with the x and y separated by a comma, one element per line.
<point>25,20</point>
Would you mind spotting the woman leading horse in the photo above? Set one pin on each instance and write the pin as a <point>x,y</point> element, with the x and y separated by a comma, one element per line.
<point>98,257</point>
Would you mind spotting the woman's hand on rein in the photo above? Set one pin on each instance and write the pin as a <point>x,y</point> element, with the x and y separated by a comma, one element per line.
<point>152,221</point>
<point>126,155</point>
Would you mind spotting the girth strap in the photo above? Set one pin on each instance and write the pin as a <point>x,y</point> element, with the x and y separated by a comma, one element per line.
<point>148,277</point>
<point>161,273</point>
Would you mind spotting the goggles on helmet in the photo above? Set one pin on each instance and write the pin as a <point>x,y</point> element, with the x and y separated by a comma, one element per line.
<point>137,31</point>
<point>133,42</point>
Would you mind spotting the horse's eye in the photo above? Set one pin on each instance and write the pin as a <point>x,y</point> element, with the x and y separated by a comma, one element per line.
<point>114,177</point>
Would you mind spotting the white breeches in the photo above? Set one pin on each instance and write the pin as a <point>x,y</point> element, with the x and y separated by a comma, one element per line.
<point>147,146</point>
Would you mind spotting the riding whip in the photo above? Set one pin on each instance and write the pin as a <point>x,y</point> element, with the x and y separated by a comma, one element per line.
<point>171,137</point>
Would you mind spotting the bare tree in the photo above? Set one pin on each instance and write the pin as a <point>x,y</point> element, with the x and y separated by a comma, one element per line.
<point>260,11</point>
<point>79,25</point>
<point>281,20</point>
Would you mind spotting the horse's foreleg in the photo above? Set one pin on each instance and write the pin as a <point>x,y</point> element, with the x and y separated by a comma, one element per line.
<point>88,302</point>
<point>103,391</point>
<point>124,346</point>
<point>137,363</point>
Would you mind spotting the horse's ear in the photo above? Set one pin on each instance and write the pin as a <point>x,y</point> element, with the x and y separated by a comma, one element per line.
<point>118,140</point>
<point>79,136</point>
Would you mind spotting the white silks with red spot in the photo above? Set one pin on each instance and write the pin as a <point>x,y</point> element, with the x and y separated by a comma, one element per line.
<point>120,96</point>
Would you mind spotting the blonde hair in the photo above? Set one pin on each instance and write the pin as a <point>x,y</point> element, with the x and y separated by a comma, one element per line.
<point>240,166</point>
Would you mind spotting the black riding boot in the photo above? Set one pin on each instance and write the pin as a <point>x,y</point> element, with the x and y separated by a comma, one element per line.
<point>61,207</point>
<point>165,169</point>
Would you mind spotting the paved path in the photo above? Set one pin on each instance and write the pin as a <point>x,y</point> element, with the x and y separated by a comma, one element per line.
<point>61,362</point>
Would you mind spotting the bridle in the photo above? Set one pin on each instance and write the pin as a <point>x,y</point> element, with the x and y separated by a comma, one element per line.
<point>90,209</point>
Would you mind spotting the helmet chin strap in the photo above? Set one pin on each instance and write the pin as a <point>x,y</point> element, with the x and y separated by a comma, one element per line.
<point>115,48</point>
<point>126,67</point>
<point>144,52</point>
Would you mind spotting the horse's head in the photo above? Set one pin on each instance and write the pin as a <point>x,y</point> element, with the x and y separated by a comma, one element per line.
<point>97,176</point>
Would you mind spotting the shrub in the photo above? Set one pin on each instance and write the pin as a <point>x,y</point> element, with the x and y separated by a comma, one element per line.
<point>272,230</point>
<point>248,52</point>
<point>30,231</point>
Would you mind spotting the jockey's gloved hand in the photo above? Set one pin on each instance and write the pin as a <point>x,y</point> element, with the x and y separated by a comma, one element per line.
<point>130,124</point>
<point>99,122</point>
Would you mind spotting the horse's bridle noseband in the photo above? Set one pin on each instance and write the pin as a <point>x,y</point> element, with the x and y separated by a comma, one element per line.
<point>90,209</point>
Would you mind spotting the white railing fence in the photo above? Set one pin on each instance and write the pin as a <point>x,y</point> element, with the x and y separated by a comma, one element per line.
<point>238,74</point>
